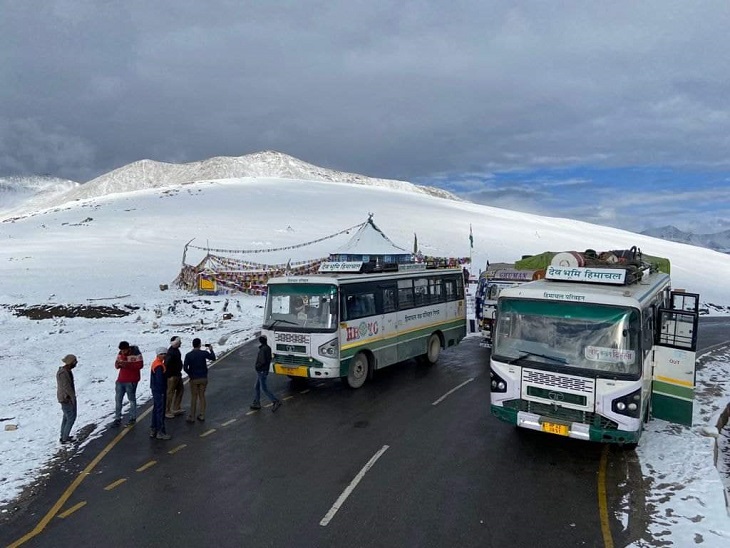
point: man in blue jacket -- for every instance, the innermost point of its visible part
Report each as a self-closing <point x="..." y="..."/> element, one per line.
<point x="196" y="366"/>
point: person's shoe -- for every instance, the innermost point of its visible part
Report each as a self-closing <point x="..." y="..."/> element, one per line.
<point x="276" y="406"/>
<point x="117" y="422"/>
<point x="255" y="405"/>
<point x="201" y="418"/>
<point x="178" y="412"/>
<point x="67" y="440"/>
<point x="189" y="419"/>
<point x="163" y="436"/>
<point x="153" y="433"/>
<point x="169" y="416"/>
<point x="130" y="422"/>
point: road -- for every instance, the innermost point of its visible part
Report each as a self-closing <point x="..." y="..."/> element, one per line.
<point x="442" y="472"/>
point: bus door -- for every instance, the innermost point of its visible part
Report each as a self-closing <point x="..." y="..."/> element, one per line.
<point x="673" y="379"/>
<point x="388" y="294"/>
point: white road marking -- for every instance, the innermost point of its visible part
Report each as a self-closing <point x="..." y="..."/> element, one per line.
<point x="442" y="398"/>
<point x="350" y="488"/>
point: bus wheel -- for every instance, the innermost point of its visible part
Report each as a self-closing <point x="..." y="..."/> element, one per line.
<point x="433" y="349"/>
<point x="358" y="372"/>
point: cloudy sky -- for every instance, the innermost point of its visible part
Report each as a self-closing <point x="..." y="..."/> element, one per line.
<point x="616" y="113"/>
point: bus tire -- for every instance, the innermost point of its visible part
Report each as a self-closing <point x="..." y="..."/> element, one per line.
<point x="358" y="372"/>
<point x="433" y="349"/>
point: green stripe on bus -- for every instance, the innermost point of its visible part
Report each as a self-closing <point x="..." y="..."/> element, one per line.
<point x="671" y="409"/>
<point x="673" y="390"/>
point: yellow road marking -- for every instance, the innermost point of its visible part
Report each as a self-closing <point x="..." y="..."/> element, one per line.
<point x="229" y="422"/>
<point x="304" y="391"/>
<point x="115" y="484"/>
<point x="144" y="467"/>
<point x="71" y="510"/>
<point x="43" y="523"/>
<point x="602" y="502"/>
<point x="45" y="520"/>
<point x="176" y="449"/>
<point x="208" y="433"/>
<point x="252" y="412"/>
<point x="287" y="398"/>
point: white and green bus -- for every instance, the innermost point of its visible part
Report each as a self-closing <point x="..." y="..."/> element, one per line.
<point x="593" y="352"/>
<point x="347" y="323"/>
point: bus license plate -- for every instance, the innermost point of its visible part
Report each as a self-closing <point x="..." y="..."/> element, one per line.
<point x="300" y="371"/>
<point x="553" y="428"/>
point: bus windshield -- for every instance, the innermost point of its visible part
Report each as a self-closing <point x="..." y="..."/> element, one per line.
<point x="312" y="307"/>
<point x="599" y="338"/>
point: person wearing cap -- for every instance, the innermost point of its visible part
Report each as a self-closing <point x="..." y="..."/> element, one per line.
<point x="263" y="363"/>
<point x="129" y="363"/>
<point x="175" y="386"/>
<point x="158" y="387"/>
<point x="66" y="392"/>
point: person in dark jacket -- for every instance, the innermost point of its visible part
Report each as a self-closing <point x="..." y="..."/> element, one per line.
<point x="158" y="387"/>
<point x="196" y="366"/>
<point x="66" y="392"/>
<point x="263" y="362"/>
<point x="175" y="386"/>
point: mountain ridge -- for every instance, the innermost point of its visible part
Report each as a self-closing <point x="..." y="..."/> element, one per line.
<point x="146" y="174"/>
<point x="717" y="241"/>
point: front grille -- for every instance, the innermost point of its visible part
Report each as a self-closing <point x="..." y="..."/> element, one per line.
<point x="562" y="413"/>
<point x="295" y="361"/>
<point x="565" y="382"/>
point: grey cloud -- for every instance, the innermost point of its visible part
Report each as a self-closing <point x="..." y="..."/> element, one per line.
<point x="385" y="88"/>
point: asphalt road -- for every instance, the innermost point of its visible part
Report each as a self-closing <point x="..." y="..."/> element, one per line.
<point x="443" y="472"/>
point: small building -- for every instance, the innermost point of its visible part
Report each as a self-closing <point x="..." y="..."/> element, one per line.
<point x="370" y="245"/>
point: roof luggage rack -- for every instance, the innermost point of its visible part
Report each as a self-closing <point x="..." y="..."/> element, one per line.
<point x="619" y="267"/>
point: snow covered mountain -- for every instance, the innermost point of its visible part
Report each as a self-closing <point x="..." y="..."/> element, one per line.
<point x="19" y="195"/>
<point x="145" y="174"/>
<point x="719" y="241"/>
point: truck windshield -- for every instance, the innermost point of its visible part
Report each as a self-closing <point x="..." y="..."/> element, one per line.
<point x="307" y="307"/>
<point x="599" y="338"/>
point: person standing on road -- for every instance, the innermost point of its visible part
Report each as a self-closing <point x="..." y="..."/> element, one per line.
<point x="175" y="386"/>
<point x="66" y="392"/>
<point x="158" y="387"/>
<point x="196" y="366"/>
<point x="263" y="362"/>
<point x="129" y="362"/>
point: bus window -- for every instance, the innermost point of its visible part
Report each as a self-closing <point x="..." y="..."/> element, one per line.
<point x="435" y="291"/>
<point x="388" y="294"/>
<point x="450" y="290"/>
<point x="359" y="305"/>
<point x="405" y="294"/>
<point x="420" y="288"/>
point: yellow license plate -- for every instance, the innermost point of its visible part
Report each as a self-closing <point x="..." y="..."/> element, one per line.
<point x="553" y="428"/>
<point x="300" y="371"/>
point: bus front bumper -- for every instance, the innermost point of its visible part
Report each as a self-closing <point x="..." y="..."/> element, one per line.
<point x="306" y="371"/>
<point x="575" y="430"/>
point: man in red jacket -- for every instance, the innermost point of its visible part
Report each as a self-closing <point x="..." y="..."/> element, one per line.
<point x="129" y="362"/>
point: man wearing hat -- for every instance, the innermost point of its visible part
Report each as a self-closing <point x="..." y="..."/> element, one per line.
<point x="66" y="392"/>
<point x="158" y="386"/>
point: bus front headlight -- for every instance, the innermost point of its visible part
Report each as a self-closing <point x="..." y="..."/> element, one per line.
<point x="497" y="382"/>
<point x="329" y="349"/>
<point x="629" y="405"/>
